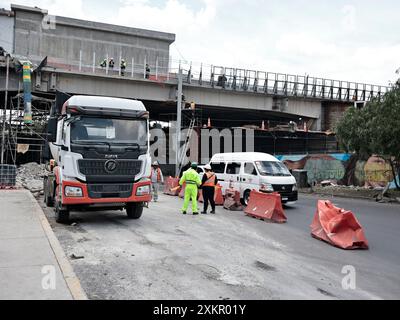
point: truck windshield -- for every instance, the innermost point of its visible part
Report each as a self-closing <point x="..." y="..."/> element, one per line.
<point x="272" y="168"/>
<point x="110" y="131"/>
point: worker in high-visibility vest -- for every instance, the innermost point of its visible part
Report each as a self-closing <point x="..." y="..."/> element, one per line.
<point x="208" y="184"/>
<point x="192" y="180"/>
<point x="156" y="177"/>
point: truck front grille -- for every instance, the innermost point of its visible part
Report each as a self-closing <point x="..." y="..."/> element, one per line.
<point x="97" y="167"/>
<point x="97" y="191"/>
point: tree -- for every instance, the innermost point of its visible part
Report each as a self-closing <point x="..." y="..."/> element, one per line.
<point x="374" y="129"/>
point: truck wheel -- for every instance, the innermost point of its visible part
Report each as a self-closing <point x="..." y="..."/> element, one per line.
<point x="245" y="199"/>
<point x="134" y="210"/>
<point x="45" y="189"/>
<point x="48" y="198"/>
<point x="62" y="215"/>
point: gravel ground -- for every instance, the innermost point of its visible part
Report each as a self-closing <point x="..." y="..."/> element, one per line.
<point x="166" y="255"/>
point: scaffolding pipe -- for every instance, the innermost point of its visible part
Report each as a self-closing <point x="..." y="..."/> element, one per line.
<point x="178" y="122"/>
<point x="26" y="78"/>
<point x="5" y="110"/>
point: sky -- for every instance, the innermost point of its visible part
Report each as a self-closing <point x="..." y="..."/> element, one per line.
<point x="353" y="40"/>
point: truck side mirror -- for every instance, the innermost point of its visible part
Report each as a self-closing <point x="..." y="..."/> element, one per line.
<point x="52" y="129"/>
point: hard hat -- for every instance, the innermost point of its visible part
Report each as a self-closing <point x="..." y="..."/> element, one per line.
<point x="155" y="163"/>
<point x="207" y="167"/>
<point x="194" y="165"/>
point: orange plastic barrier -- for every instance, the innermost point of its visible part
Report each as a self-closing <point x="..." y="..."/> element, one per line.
<point x="265" y="206"/>
<point x="232" y="200"/>
<point x="218" y="197"/>
<point x="171" y="186"/>
<point x="182" y="191"/>
<point x="338" y="227"/>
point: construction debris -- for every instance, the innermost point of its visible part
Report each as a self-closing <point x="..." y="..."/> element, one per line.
<point x="30" y="176"/>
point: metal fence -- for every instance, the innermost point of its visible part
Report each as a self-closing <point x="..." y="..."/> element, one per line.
<point x="235" y="79"/>
<point x="8" y="175"/>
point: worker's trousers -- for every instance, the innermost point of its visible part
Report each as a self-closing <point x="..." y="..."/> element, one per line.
<point x="190" y="194"/>
<point x="208" y="196"/>
<point x="154" y="188"/>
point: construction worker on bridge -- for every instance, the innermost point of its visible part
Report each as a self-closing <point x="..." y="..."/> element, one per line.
<point x="123" y="67"/>
<point x="192" y="180"/>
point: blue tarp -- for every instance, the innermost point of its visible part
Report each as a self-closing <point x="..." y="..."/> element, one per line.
<point x="393" y="185"/>
<point x="339" y="156"/>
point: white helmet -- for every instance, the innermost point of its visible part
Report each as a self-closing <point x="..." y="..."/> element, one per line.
<point x="207" y="167"/>
<point x="155" y="163"/>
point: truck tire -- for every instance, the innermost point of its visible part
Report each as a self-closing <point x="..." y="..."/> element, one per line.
<point x="61" y="215"/>
<point x="134" y="210"/>
<point x="48" y="198"/>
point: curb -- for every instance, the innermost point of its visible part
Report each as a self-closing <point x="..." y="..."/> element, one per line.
<point x="344" y="196"/>
<point x="70" y="278"/>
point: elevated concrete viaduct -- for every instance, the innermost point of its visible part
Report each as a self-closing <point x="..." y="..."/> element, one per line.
<point x="67" y="54"/>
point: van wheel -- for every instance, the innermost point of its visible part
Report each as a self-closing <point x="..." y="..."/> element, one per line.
<point x="245" y="199"/>
<point x="134" y="210"/>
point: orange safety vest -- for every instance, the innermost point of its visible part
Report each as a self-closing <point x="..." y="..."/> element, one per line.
<point x="210" y="182"/>
<point x="158" y="173"/>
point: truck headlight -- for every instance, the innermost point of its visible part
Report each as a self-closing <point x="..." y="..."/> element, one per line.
<point x="73" y="192"/>
<point x="143" y="191"/>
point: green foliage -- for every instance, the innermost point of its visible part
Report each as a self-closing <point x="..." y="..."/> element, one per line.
<point x="374" y="129"/>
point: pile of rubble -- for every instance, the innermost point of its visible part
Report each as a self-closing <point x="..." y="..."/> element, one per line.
<point x="30" y="176"/>
<point x="380" y="194"/>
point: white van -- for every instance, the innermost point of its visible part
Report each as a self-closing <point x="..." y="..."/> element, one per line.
<point x="246" y="171"/>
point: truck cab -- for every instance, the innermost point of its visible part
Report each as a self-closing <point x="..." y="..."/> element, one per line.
<point x="100" y="156"/>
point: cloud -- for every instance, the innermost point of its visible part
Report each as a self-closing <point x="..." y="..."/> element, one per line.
<point x="174" y="16"/>
<point x="349" y="19"/>
<point x="70" y="8"/>
<point x="277" y="36"/>
<point x="301" y="44"/>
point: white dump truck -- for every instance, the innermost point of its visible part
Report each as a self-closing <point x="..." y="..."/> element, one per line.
<point x="100" y="157"/>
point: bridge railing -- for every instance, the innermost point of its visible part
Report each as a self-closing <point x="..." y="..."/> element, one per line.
<point x="225" y="78"/>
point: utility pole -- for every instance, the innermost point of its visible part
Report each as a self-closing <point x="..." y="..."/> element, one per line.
<point x="5" y="111"/>
<point x="178" y="121"/>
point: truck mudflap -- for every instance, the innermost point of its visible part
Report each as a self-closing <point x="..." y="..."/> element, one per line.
<point x="85" y="199"/>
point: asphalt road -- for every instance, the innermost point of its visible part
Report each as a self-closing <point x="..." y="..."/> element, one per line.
<point x="166" y="255"/>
